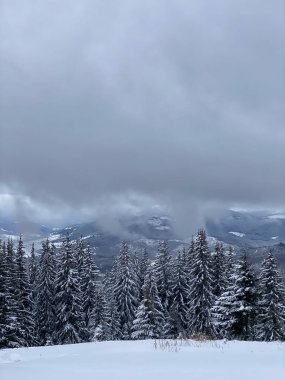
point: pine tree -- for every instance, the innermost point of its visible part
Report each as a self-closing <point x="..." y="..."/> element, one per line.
<point x="68" y="304"/>
<point x="271" y="311"/>
<point x="15" y="335"/>
<point x="144" y="263"/>
<point x="23" y="297"/>
<point x="112" y="318"/>
<point x="219" y="270"/>
<point x="4" y="300"/>
<point x="235" y="310"/>
<point x="45" y="288"/>
<point x="100" y="318"/>
<point x="126" y="292"/>
<point x="32" y="277"/>
<point x="223" y="313"/>
<point x="89" y="288"/>
<point x="32" y="267"/>
<point x="201" y="296"/>
<point x="163" y="275"/>
<point x="180" y="291"/>
<point x="149" y="321"/>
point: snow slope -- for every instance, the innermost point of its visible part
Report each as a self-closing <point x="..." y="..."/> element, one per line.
<point x="138" y="360"/>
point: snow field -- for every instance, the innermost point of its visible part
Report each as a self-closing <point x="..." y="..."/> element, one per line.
<point x="146" y="360"/>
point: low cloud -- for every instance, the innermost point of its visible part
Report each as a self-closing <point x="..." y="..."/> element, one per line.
<point x="179" y="104"/>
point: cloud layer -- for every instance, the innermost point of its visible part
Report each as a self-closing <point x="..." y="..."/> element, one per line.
<point x="177" y="103"/>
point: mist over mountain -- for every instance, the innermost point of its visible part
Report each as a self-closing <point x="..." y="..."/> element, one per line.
<point x="254" y="231"/>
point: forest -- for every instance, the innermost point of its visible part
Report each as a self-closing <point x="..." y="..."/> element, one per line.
<point x="59" y="296"/>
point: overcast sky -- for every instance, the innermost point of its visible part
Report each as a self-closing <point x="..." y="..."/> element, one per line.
<point x="115" y="106"/>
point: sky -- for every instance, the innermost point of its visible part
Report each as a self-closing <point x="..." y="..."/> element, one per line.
<point x="110" y="107"/>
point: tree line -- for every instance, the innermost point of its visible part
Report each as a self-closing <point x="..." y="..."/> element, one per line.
<point x="60" y="296"/>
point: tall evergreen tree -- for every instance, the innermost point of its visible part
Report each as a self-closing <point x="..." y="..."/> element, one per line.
<point x="90" y="291"/>
<point x="271" y="310"/>
<point x="180" y="301"/>
<point x="32" y="275"/>
<point x="201" y="296"/>
<point x="235" y="310"/>
<point x="144" y="263"/>
<point x="4" y="300"/>
<point x="45" y="288"/>
<point x="23" y="296"/>
<point x="163" y="275"/>
<point x="219" y="270"/>
<point x="69" y="325"/>
<point x="15" y="334"/>
<point x="126" y="292"/>
<point x="149" y="319"/>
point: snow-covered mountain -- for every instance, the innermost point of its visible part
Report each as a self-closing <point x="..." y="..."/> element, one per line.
<point x="254" y="230"/>
<point x="248" y="229"/>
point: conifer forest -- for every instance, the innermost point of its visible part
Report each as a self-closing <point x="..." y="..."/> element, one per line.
<point x="59" y="296"/>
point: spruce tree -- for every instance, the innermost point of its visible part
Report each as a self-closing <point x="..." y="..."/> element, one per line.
<point x="23" y="296"/>
<point x="4" y="300"/>
<point x="126" y="291"/>
<point x="201" y="296"/>
<point x="150" y="320"/>
<point x="15" y="334"/>
<point x="89" y="287"/>
<point x="163" y="275"/>
<point x="235" y="310"/>
<point x="69" y="327"/>
<point x="219" y="270"/>
<point x="271" y="305"/>
<point x="45" y="288"/>
<point x="180" y="292"/>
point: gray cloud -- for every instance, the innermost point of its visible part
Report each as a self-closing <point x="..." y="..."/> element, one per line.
<point x="177" y="103"/>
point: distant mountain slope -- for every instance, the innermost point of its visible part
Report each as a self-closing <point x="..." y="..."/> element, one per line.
<point x="248" y="229"/>
<point x="254" y="231"/>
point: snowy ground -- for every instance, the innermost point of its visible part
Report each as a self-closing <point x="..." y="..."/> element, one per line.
<point x="138" y="360"/>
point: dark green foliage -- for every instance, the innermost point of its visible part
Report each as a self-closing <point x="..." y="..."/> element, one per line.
<point x="235" y="310"/>
<point x="201" y="296"/>
<point x="219" y="270"/>
<point x="69" y="326"/>
<point x="271" y="311"/>
<point x="45" y="288"/>
<point x="126" y="291"/>
<point x="149" y="320"/>
<point x="23" y="297"/>
<point x="180" y="298"/>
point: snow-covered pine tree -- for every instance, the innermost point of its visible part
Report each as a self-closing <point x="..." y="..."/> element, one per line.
<point x="271" y="305"/>
<point x="32" y="267"/>
<point x="201" y="296"/>
<point x="32" y="275"/>
<point x="113" y="321"/>
<point x="88" y="278"/>
<point x="23" y="296"/>
<point x="234" y="312"/>
<point x="149" y="320"/>
<point x="15" y="335"/>
<point x="144" y="263"/>
<point x="223" y="312"/>
<point x="4" y="299"/>
<point x="180" y="292"/>
<point x="219" y="270"/>
<point x="100" y="318"/>
<point x="246" y="298"/>
<point x="229" y="263"/>
<point x="126" y="293"/>
<point x="69" y="327"/>
<point x="163" y="275"/>
<point x="45" y="288"/>
<point x="93" y="301"/>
